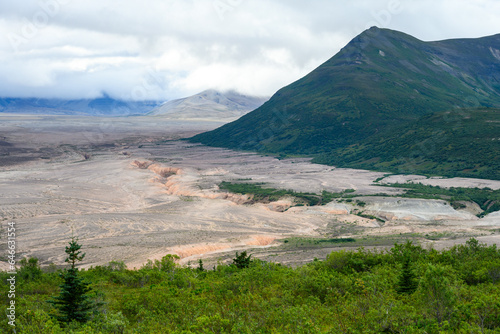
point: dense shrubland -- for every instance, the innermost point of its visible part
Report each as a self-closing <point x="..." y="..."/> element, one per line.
<point x="407" y="289"/>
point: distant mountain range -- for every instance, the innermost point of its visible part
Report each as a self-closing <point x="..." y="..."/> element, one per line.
<point x="104" y="106"/>
<point x="207" y="105"/>
<point x="210" y="104"/>
<point x="363" y="108"/>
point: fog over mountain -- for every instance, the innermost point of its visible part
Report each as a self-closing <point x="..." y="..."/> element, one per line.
<point x="167" y="50"/>
<point x="209" y="104"/>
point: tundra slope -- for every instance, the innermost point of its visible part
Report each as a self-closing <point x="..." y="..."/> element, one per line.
<point x="347" y="111"/>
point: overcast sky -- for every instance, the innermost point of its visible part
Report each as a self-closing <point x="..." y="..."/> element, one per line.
<point x="165" y="49"/>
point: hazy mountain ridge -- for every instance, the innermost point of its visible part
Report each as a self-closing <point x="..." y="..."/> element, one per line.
<point x="209" y="104"/>
<point x="103" y="106"/>
<point x="381" y="81"/>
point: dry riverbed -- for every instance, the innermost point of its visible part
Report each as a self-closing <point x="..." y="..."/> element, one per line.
<point x="132" y="191"/>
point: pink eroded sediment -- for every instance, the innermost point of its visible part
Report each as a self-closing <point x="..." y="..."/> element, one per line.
<point x="176" y="184"/>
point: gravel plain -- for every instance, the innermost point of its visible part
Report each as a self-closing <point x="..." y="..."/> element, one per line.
<point x="131" y="190"/>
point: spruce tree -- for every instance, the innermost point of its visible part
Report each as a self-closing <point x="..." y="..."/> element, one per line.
<point x="407" y="283"/>
<point x="73" y="302"/>
<point x="242" y="260"/>
<point x="200" y="265"/>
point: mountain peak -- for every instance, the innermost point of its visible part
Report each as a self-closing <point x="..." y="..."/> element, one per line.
<point x="379" y="81"/>
<point x="372" y="41"/>
<point x="210" y="103"/>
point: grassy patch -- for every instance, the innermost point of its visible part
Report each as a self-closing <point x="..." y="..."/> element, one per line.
<point x="306" y="243"/>
<point x="263" y="194"/>
<point x="361" y="214"/>
<point x="303" y="243"/>
<point x="487" y="199"/>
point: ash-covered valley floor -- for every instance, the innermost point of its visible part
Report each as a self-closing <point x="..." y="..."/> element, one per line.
<point x="130" y="190"/>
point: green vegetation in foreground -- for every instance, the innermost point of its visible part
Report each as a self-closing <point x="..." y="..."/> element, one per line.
<point x="407" y="289"/>
<point x="266" y="195"/>
<point x="73" y="302"/>
<point x="487" y="199"/>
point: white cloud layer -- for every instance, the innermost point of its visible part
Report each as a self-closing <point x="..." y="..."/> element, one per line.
<point x="164" y="49"/>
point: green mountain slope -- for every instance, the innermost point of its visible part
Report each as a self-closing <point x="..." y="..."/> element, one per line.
<point x="380" y="81"/>
<point x="462" y="142"/>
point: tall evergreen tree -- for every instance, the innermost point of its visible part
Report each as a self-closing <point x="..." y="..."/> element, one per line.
<point x="73" y="302"/>
<point x="200" y="265"/>
<point x="407" y="283"/>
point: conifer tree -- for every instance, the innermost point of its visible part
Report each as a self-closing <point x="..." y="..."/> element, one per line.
<point x="73" y="302"/>
<point x="242" y="260"/>
<point x="407" y="283"/>
<point x="200" y="265"/>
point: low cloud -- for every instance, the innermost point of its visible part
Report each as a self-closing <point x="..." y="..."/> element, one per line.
<point x="167" y="49"/>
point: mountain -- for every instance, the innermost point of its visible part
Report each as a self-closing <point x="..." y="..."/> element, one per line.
<point x="209" y="104"/>
<point x="459" y="142"/>
<point x="103" y="106"/>
<point x="382" y="81"/>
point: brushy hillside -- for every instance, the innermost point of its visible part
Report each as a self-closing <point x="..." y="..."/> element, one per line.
<point x="407" y="289"/>
<point x="381" y="81"/>
<point x="462" y="142"/>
